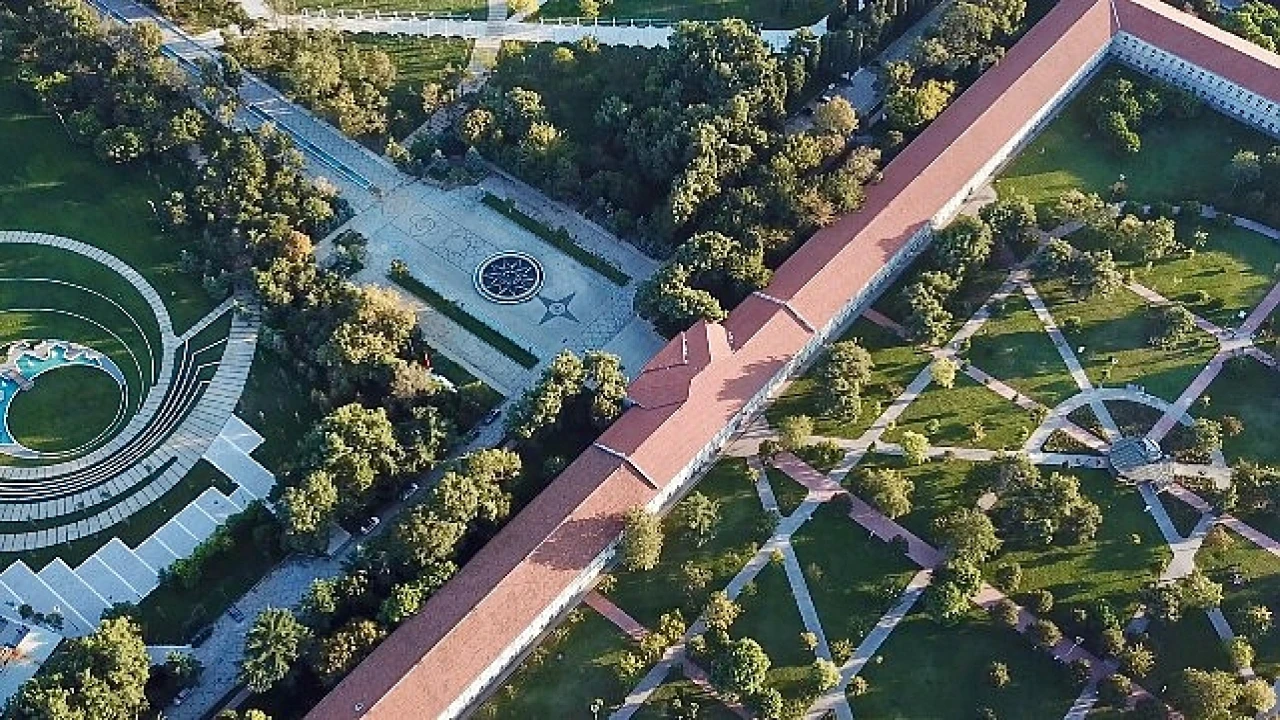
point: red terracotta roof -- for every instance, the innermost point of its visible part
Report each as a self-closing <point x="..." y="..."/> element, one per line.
<point x="699" y="383"/>
<point x="1203" y="44"/>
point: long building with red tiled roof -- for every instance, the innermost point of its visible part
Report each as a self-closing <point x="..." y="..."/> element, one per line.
<point x="702" y="387"/>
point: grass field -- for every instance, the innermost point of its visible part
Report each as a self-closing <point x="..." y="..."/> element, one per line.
<point x="896" y="363"/>
<point x="936" y="672"/>
<point x="49" y="184"/>
<point x="1114" y="332"/>
<point x="941" y="487"/>
<point x="1112" y="567"/>
<point x="1236" y="270"/>
<point x="783" y="15"/>
<point x="852" y="577"/>
<point x="418" y="60"/>
<point x="1180" y="159"/>
<point x="1014" y="346"/>
<point x="1261" y="573"/>
<point x="69" y="408"/>
<point x="743" y="524"/>
<point x="955" y="409"/>
<point x="1250" y="391"/>
<point x="786" y="491"/>
<point x="574" y="667"/>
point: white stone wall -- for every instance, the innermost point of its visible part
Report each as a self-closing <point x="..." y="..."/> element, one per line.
<point x="1248" y="107"/>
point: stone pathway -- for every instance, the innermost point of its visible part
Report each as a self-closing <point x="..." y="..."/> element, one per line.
<point x="606" y="32"/>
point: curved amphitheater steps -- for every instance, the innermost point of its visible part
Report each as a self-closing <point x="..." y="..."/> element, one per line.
<point x="118" y="573"/>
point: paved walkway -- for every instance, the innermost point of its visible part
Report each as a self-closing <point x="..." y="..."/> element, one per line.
<point x="606" y="32"/>
<point x="835" y="698"/>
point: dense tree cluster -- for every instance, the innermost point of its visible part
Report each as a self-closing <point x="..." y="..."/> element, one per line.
<point x="1037" y="510"/>
<point x="1256" y="21"/>
<point x="346" y="84"/>
<point x="574" y="392"/>
<point x="1120" y="106"/>
<point x="101" y="676"/>
<point x="958" y="252"/>
<point x="842" y="374"/>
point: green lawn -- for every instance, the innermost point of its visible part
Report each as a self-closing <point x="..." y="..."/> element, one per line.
<point x="941" y="487"/>
<point x="770" y="617"/>
<point x="786" y="491"/>
<point x="574" y="666"/>
<point x="474" y="8"/>
<point x="743" y="524"/>
<point x="1250" y="391"/>
<point x="955" y="409"/>
<point x="1190" y="642"/>
<point x="678" y="694"/>
<point x="775" y="15"/>
<point x="1132" y="418"/>
<point x="1114" y="330"/>
<point x="1015" y="347"/>
<point x="932" y="672"/>
<point x="1261" y="571"/>
<point x="49" y="184"/>
<point x="1111" y="567"/>
<point x="852" y="577"/>
<point x="418" y="60"/>
<point x="1179" y="160"/>
<point x="70" y="407"/>
<point x="277" y="403"/>
<point x="1236" y="270"/>
<point x="896" y="363"/>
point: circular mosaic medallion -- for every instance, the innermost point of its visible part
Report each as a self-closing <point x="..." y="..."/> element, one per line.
<point x="509" y="278"/>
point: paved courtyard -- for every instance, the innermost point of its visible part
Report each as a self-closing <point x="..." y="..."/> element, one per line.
<point x="444" y="235"/>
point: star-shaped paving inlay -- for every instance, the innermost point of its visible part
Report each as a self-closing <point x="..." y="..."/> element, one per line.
<point x="557" y="308"/>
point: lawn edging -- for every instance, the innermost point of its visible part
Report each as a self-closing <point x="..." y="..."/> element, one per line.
<point x="454" y="312"/>
<point x="557" y="238"/>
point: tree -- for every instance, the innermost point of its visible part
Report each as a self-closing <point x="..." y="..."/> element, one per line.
<point x="309" y="507"/>
<point x="273" y="644"/>
<point x="743" y="667"/>
<point x="887" y="489"/>
<point x="964" y="246"/>
<point x="699" y="515"/>
<point x="954" y="585"/>
<point x="1096" y="273"/>
<point x="1206" y="437"/>
<point x="335" y="655"/>
<point x="835" y="117"/>
<point x="823" y="675"/>
<point x="1040" y="601"/>
<point x="1008" y="576"/>
<point x="1005" y="612"/>
<point x="1012" y="222"/>
<point x="998" y="674"/>
<point x="1245" y="168"/>
<point x="794" y="431"/>
<point x="1257" y="696"/>
<point x="1114" y="690"/>
<point x="910" y="108"/>
<point x="1044" y="633"/>
<point x="720" y="611"/>
<point x="641" y="540"/>
<point x="944" y="371"/>
<point x="1255" y="621"/>
<point x="842" y="374"/>
<point x="1202" y="695"/>
<point x="101" y="676"/>
<point x="1172" y="324"/>
<point x="968" y="534"/>
<point x="915" y="448"/>
<point x="1138" y="660"/>
<point x="1240" y="652"/>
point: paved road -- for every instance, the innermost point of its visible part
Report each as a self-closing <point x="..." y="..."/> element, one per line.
<point x="363" y="176"/>
<point x="605" y="32"/>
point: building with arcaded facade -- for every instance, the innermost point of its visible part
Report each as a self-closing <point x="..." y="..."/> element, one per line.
<point x="710" y="380"/>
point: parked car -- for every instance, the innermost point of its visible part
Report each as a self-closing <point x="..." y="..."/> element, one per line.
<point x="409" y="490"/>
<point x="492" y="416"/>
<point x="368" y="525"/>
